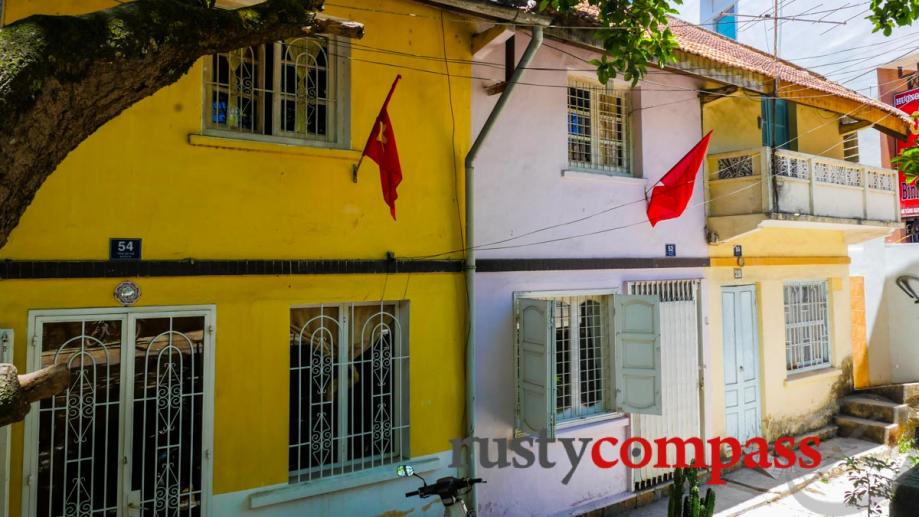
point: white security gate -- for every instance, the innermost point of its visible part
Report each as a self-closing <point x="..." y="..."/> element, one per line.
<point x="680" y="370"/>
<point x="131" y="435"/>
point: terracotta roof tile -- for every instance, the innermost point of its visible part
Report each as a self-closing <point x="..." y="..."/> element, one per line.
<point x="696" y="40"/>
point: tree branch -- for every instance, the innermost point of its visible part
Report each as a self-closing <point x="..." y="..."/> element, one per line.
<point x="17" y="392"/>
<point x="63" y="77"/>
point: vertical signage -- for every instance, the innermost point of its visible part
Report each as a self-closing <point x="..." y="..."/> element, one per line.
<point x="909" y="194"/>
<point x="670" y="250"/>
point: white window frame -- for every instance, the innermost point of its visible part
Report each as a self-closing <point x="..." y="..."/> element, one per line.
<point x="611" y="375"/>
<point x="401" y="391"/>
<point x="339" y="135"/>
<point x="595" y="165"/>
<point x="797" y="328"/>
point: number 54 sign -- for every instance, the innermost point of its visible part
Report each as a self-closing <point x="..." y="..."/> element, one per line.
<point x="124" y="249"/>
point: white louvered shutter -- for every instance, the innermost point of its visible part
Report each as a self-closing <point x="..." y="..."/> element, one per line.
<point x="637" y="353"/>
<point x="536" y="367"/>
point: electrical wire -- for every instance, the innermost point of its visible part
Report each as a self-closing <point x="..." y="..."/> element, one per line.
<point x="491" y="246"/>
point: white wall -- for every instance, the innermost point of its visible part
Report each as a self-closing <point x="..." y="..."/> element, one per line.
<point x="891" y="317"/>
<point x="519" y="182"/>
<point x="520" y="188"/>
<point x="537" y="491"/>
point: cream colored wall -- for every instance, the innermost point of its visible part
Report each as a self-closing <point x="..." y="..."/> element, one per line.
<point x="785" y="242"/>
<point x="773" y="257"/>
<point x="818" y="132"/>
<point x="789" y="405"/>
<point x="734" y="121"/>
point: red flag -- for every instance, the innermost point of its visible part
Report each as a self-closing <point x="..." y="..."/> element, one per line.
<point x="671" y="195"/>
<point x="381" y="148"/>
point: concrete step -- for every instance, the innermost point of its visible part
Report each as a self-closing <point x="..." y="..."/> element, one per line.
<point x="873" y="408"/>
<point x="907" y="393"/>
<point x="870" y="430"/>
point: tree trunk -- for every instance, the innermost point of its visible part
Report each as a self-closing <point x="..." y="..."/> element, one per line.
<point x="18" y="392"/>
<point x="62" y="77"/>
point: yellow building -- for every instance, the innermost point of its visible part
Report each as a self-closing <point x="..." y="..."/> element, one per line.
<point x="785" y="196"/>
<point x="289" y="344"/>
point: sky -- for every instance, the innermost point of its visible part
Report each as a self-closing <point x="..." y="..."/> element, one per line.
<point x="847" y="53"/>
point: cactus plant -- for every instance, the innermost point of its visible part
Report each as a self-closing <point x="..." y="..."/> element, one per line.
<point x="691" y="505"/>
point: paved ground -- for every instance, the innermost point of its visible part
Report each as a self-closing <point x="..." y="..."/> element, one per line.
<point x="786" y="493"/>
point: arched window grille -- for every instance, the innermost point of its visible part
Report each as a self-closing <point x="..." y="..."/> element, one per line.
<point x="288" y="90"/>
<point x="348" y="389"/>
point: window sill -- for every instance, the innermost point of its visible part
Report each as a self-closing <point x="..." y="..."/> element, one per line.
<point x="284" y="494"/>
<point x="603" y="176"/>
<point x="568" y="425"/>
<point x="242" y="144"/>
<point x="812" y="375"/>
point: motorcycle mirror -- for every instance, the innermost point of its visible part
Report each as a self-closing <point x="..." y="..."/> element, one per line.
<point x="404" y="471"/>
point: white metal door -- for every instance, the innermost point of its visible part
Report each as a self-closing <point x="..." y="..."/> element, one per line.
<point x="131" y="435"/>
<point x="741" y="362"/>
<point x="681" y="409"/>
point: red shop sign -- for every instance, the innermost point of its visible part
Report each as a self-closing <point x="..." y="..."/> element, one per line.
<point x="909" y="194"/>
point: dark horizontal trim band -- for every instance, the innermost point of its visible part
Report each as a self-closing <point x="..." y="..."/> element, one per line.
<point x="567" y="264"/>
<point x="30" y="269"/>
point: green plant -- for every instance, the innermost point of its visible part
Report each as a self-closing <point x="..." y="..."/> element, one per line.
<point x="907" y="446"/>
<point x="691" y="505"/>
<point x="908" y="162"/>
<point x="870" y="485"/>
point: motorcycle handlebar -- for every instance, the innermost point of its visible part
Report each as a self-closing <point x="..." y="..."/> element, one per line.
<point x="445" y="487"/>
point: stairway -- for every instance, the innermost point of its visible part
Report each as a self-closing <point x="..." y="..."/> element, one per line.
<point x="871" y="416"/>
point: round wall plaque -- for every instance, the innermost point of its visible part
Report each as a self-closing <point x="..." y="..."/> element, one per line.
<point x="127" y="293"/>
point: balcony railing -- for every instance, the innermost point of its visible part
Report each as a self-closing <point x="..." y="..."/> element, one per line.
<point x="807" y="185"/>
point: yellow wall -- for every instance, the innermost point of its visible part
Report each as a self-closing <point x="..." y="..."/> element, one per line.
<point x="734" y="120"/>
<point x="774" y="256"/>
<point x="785" y="242"/>
<point x="138" y="175"/>
<point x="789" y="405"/>
<point x="150" y="174"/>
<point x="252" y="358"/>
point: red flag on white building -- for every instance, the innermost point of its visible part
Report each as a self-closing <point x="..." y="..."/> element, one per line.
<point x="672" y="193"/>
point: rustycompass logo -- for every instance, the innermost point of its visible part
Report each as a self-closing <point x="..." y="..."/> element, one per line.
<point x="637" y="452"/>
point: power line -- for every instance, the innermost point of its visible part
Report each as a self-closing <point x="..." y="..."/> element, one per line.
<point x="492" y="245"/>
<point x="753" y="19"/>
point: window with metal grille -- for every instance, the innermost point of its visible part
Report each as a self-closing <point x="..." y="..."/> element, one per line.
<point x="807" y="336"/>
<point x="581" y="345"/>
<point x="598" y="128"/>
<point x="288" y="90"/>
<point x="348" y="389"/>
<point x="850" y="147"/>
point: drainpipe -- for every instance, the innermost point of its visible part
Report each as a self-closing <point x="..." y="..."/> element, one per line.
<point x="525" y="60"/>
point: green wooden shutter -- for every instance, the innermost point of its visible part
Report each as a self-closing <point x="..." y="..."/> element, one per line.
<point x="637" y="352"/>
<point x="784" y="125"/>
<point x="536" y="366"/>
